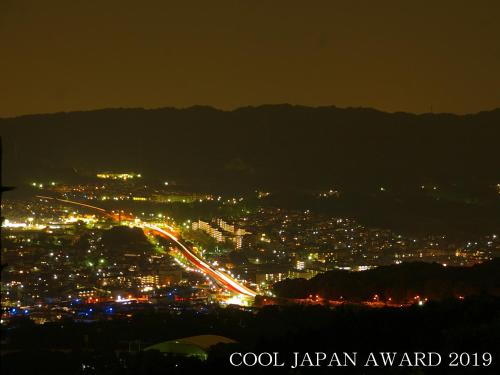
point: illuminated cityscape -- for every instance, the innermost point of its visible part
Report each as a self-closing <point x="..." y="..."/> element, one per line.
<point x="67" y="253"/>
<point x="247" y="187"/>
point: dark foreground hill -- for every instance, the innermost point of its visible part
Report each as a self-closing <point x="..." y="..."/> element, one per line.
<point x="111" y="346"/>
<point x="399" y="283"/>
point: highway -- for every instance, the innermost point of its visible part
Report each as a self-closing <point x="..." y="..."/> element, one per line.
<point x="220" y="277"/>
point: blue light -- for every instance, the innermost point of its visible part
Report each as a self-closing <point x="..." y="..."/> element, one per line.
<point x="26" y="311"/>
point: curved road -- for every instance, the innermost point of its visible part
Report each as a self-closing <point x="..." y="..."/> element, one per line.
<point x="222" y="278"/>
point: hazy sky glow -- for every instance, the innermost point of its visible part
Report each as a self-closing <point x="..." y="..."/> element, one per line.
<point x="60" y="55"/>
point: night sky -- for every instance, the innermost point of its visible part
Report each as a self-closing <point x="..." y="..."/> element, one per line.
<point x="391" y="55"/>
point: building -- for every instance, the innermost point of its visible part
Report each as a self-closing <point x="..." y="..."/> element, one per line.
<point x="194" y="346"/>
<point x="300" y="265"/>
<point x="118" y="176"/>
<point x="207" y="228"/>
<point x="225" y="226"/>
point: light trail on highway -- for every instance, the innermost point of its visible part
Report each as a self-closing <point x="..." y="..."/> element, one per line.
<point x="220" y="277"/>
<point x="76" y="203"/>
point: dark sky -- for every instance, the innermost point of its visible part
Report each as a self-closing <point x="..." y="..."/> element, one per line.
<point x="61" y="55"/>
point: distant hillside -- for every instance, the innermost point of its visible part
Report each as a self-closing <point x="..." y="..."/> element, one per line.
<point x="267" y="146"/>
<point x="293" y="151"/>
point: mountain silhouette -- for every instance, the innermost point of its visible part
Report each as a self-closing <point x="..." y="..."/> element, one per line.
<point x="271" y="146"/>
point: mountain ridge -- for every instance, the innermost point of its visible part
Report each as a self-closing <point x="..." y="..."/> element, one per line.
<point x="250" y="107"/>
<point x="269" y="145"/>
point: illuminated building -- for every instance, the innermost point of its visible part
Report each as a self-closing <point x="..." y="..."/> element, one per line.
<point x="225" y="226"/>
<point x="207" y="228"/>
<point x="148" y="282"/>
<point x="238" y="241"/>
<point x="118" y="176"/>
